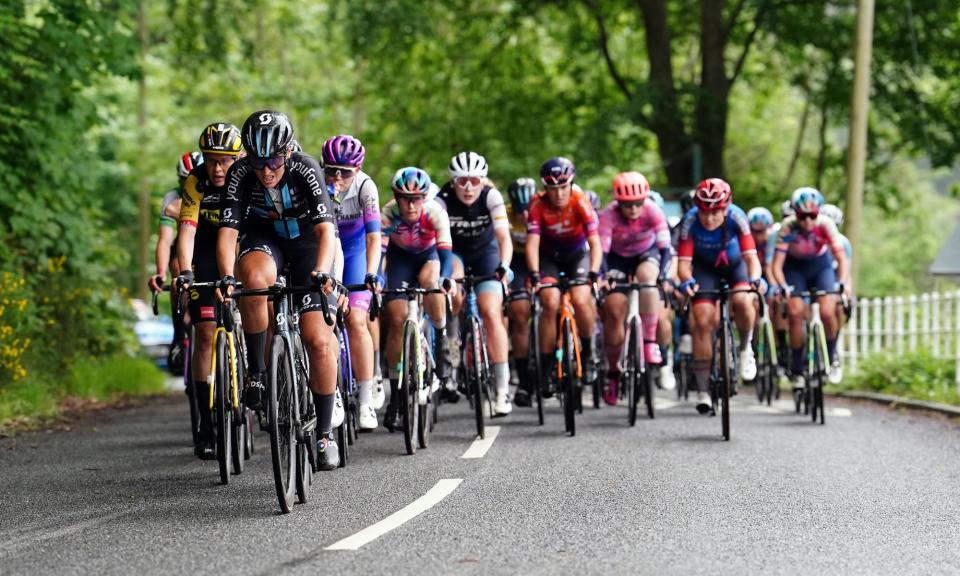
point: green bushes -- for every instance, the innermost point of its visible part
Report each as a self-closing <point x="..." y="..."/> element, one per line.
<point x="915" y="375"/>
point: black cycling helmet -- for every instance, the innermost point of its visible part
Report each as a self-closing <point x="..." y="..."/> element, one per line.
<point x="220" y="138"/>
<point x="557" y="171"/>
<point x="521" y="192"/>
<point x="267" y="133"/>
<point x="686" y="201"/>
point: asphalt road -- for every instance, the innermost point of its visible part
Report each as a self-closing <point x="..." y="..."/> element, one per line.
<point x="872" y="492"/>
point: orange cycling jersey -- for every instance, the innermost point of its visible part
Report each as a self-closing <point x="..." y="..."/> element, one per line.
<point x="563" y="230"/>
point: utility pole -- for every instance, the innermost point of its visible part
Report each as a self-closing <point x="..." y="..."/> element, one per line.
<point x="143" y="257"/>
<point x="858" y="129"/>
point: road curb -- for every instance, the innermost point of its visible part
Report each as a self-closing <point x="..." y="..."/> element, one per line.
<point x="898" y="401"/>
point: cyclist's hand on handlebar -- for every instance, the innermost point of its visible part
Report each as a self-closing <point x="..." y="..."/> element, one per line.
<point x="689" y="287"/>
<point x="374" y="282"/>
<point x="447" y="285"/>
<point x="667" y="285"/>
<point x="504" y="273"/>
<point x="594" y="277"/>
<point x="760" y="285"/>
<point x="225" y="287"/>
<point x="534" y="281"/>
<point x="322" y="281"/>
<point x="156" y="283"/>
<point x="184" y="280"/>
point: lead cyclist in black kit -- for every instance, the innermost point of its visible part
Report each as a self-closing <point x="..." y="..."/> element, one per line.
<point x="278" y="205"/>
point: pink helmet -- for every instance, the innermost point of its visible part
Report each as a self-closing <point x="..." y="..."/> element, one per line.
<point x="630" y="187"/>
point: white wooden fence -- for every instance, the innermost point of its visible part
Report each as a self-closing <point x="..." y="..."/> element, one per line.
<point x="902" y="324"/>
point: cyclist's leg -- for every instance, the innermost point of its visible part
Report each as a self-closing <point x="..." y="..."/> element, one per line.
<point x="490" y="302"/>
<point x="744" y="315"/>
<point x="646" y="272"/>
<point x="260" y="259"/>
<point x="401" y="271"/>
<point x="361" y="342"/>
<point x="704" y="318"/>
<point x="518" y="312"/>
<point x="795" y="273"/>
<point x="826" y="280"/>
<point x="549" y="307"/>
<point x="202" y="310"/>
<point x="584" y="306"/>
<point x="456" y="301"/>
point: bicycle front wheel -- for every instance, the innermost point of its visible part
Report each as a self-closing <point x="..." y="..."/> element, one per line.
<point x="631" y="372"/>
<point x="534" y="369"/>
<point x="819" y="371"/>
<point x="473" y="372"/>
<point x="569" y="379"/>
<point x="726" y="353"/>
<point x="280" y="416"/>
<point x="409" y="388"/>
<point x="221" y="407"/>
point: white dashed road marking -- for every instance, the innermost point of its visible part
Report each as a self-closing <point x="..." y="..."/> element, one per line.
<point x="480" y="446"/>
<point x="441" y="490"/>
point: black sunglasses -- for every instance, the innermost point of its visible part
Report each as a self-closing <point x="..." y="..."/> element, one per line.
<point x="274" y="162"/>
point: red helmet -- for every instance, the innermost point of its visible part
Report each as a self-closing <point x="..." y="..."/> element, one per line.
<point x="712" y="194"/>
<point x="630" y="187"/>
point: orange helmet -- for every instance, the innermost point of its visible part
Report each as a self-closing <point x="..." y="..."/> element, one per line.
<point x="630" y="187"/>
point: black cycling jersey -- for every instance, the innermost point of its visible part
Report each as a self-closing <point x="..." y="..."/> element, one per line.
<point x="300" y="200"/>
<point x="471" y="227"/>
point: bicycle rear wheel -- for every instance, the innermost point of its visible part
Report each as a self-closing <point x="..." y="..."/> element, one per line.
<point x="473" y="373"/>
<point x="190" y="390"/>
<point x="221" y="407"/>
<point x="280" y="416"/>
<point x="409" y="387"/>
<point x="343" y="430"/>
<point x="424" y="398"/>
<point x="631" y="381"/>
<point x="239" y="451"/>
<point x="819" y="370"/>
<point x="569" y="380"/>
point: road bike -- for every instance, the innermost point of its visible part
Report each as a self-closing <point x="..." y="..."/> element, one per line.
<point x="475" y="363"/>
<point x="636" y="375"/>
<point x="767" y="380"/>
<point x="818" y="359"/>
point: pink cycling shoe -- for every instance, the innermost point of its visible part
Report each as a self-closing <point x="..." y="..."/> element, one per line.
<point x="611" y="389"/>
<point x="651" y="351"/>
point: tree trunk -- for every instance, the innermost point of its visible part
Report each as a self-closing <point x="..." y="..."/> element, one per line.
<point x="712" y="101"/>
<point x="666" y="121"/>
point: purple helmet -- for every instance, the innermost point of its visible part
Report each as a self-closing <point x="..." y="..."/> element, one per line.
<point x="557" y="171"/>
<point x="343" y="150"/>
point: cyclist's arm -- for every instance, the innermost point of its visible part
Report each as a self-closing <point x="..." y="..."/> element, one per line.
<point x="185" y="242"/>
<point x="684" y="270"/>
<point x="533" y="252"/>
<point x="843" y="267"/>
<point x="164" y="240"/>
<point x="372" y="225"/>
<point x="776" y="269"/>
<point x="596" y="252"/>
<point x="226" y="250"/>
<point x="326" y="234"/>
<point x="189" y="216"/>
<point x="501" y="224"/>
<point x="753" y="265"/>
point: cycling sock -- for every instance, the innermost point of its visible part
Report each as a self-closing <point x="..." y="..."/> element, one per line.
<point x="701" y="373"/>
<point x="782" y="345"/>
<point x="324" y="407"/>
<point x="546" y="363"/>
<point x="501" y="375"/>
<point x="256" y="342"/>
<point x="796" y="361"/>
<point x="649" y="320"/>
<point x="523" y="376"/>
<point x="366" y="392"/>
<point x="202" y="390"/>
<point x="832" y="348"/>
<point x="376" y="365"/>
<point x="586" y="349"/>
<point x="746" y="339"/>
<point x="439" y="324"/>
<point x="665" y="354"/>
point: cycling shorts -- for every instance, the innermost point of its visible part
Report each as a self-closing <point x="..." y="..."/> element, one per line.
<point x="202" y="303"/>
<point x="810" y="274"/>
<point x="482" y="263"/>
<point x="709" y="277"/>
<point x="354" y="272"/>
<point x="620" y="268"/>
<point x="575" y="265"/>
<point x="403" y="268"/>
<point x="299" y="255"/>
<point x="518" y="288"/>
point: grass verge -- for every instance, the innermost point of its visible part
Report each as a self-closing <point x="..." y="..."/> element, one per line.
<point x="917" y="375"/>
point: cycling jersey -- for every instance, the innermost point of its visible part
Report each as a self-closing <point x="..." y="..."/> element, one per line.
<point x="431" y="229"/>
<point x="472" y="227"/>
<point x="201" y="199"/>
<point x="168" y="199"/>
<point x="723" y="247"/>
<point x="299" y="202"/>
<point x="562" y="230"/>
<point x="806" y="245"/>
<point x="630" y="238"/>
<point x="358" y="214"/>
<point x="518" y="229"/>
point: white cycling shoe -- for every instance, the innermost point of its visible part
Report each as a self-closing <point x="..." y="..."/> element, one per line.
<point x="667" y="380"/>
<point x="338" y="412"/>
<point x="748" y="364"/>
<point x="502" y="406"/>
<point x="835" y="374"/>
<point x="379" y="396"/>
<point x="704" y="406"/>
<point x="368" y="418"/>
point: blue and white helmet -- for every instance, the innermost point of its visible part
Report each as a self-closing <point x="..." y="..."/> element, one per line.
<point x="760" y="215"/>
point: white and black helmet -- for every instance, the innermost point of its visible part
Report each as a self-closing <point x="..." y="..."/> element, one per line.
<point x="468" y="164"/>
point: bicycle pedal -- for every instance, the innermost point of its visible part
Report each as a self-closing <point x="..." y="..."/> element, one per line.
<point x="309" y="425"/>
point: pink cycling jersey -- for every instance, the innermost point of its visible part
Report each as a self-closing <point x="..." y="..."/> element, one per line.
<point x="799" y="243"/>
<point x="630" y="238"/>
<point x="431" y="229"/>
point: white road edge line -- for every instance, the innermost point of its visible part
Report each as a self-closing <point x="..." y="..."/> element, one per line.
<point x="480" y="446"/>
<point x="440" y="490"/>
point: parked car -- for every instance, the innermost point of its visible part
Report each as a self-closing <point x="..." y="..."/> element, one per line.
<point x="153" y="332"/>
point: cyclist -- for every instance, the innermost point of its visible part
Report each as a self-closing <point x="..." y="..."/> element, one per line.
<point x="715" y="244"/>
<point x="358" y="219"/>
<point x="521" y="192"/>
<point x="764" y="231"/>
<point x="166" y="253"/>
<point x="833" y="212"/>
<point x="666" y="379"/>
<point x="562" y="236"/>
<point x="197" y="253"/>
<point x="636" y="244"/>
<point x="803" y="262"/>
<point x="481" y="246"/>
<point x="419" y="253"/>
<point x="276" y="198"/>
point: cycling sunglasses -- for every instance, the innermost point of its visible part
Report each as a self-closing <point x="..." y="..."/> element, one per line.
<point x="633" y="204"/>
<point x="807" y="215"/>
<point x="341" y="172"/>
<point x="411" y="199"/>
<point x="467" y="181"/>
<point x="274" y="162"/>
